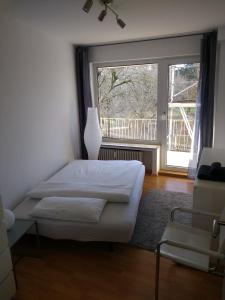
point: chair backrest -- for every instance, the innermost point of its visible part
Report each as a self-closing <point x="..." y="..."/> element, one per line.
<point x="222" y="233"/>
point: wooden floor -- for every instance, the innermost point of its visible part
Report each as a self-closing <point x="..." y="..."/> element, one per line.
<point x="70" y="270"/>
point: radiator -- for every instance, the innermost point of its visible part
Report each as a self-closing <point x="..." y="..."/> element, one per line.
<point x="120" y="154"/>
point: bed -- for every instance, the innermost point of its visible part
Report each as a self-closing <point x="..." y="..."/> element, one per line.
<point x="118" y="218"/>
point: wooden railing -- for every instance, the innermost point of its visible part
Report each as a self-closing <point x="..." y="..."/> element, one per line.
<point x="146" y="130"/>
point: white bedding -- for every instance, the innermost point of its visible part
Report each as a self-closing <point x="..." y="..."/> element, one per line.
<point x="110" y="180"/>
<point x="116" y="224"/>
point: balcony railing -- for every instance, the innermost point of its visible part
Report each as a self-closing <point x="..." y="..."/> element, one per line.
<point x="146" y="130"/>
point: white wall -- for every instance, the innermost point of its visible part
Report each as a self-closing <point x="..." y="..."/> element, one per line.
<point x="219" y="130"/>
<point x="38" y="117"/>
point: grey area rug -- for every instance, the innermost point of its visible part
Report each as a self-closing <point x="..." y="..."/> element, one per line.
<point x="153" y="215"/>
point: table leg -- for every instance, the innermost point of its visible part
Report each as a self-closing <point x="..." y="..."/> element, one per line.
<point x="37" y="235"/>
<point x="13" y="268"/>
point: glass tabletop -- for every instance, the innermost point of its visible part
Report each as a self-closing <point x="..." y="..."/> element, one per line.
<point x="20" y="227"/>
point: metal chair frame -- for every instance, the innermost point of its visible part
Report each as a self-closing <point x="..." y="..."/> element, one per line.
<point x="216" y="230"/>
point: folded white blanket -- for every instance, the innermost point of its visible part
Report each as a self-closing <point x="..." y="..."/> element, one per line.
<point x="69" y="209"/>
<point x="110" y="180"/>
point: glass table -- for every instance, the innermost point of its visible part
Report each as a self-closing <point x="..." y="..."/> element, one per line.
<point x="21" y="227"/>
<point x="16" y="232"/>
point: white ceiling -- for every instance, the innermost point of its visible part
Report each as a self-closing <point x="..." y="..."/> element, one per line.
<point x="144" y="18"/>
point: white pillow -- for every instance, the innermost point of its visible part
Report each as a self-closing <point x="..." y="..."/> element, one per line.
<point x="70" y="209"/>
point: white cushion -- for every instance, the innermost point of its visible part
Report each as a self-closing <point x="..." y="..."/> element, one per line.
<point x="189" y="236"/>
<point x="69" y="209"/>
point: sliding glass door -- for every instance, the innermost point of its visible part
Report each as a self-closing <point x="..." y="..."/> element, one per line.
<point x="180" y="114"/>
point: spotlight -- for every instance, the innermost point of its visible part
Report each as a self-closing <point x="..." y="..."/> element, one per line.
<point x="102" y="15"/>
<point x="120" y="22"/>
<point x="87" y="6"/>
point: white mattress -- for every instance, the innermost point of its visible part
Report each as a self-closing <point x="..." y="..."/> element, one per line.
<point x="109" y="180"/>
<point x="116" y="224"/>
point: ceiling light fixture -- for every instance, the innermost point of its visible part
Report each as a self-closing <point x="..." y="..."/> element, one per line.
<point x="120" y="22"/>
<point x="102" y="14"/>
<point x="107" y="3"/>
<point x="87" y="6"/>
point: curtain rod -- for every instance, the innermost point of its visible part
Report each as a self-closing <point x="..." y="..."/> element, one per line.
<point x="153" y="39"/>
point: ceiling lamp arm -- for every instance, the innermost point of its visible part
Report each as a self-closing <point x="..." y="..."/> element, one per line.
<point x="112" y="10"/>
<point x="119" y="21"/>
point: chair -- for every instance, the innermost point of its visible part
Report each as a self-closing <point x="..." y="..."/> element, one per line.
<point x="191" y="246"/>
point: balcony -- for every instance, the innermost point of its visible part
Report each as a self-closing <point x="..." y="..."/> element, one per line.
<point x="179" y="140"/>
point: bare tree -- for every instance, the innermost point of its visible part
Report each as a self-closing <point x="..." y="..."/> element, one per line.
<point x="129" y="92"/>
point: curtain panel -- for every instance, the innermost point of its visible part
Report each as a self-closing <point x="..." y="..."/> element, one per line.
<point x="207" y="87"/>
<point x="83" y="91"/>
<point x="203" y="131"/>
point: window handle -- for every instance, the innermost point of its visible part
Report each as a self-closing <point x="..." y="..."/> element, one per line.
<point x="163" y="116"/>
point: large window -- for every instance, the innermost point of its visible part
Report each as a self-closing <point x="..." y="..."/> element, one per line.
<point x="127" y="98"/>
<point x="152" y="102"/>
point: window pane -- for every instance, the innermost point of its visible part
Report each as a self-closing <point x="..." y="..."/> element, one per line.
<point x="128" y="101"/>
<point x="183" y="84"/>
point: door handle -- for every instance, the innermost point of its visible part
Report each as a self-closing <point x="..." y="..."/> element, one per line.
<point x="163" y="116"/>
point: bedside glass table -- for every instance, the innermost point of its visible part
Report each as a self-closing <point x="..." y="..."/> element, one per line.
<point x="16" y="232"/>
<point x="19" y="228"/>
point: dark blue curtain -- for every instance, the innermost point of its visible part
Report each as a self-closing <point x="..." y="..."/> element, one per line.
<point x="83" y="91"/>
<point x="206" y="88"/>
<point x="203" y="131"/>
